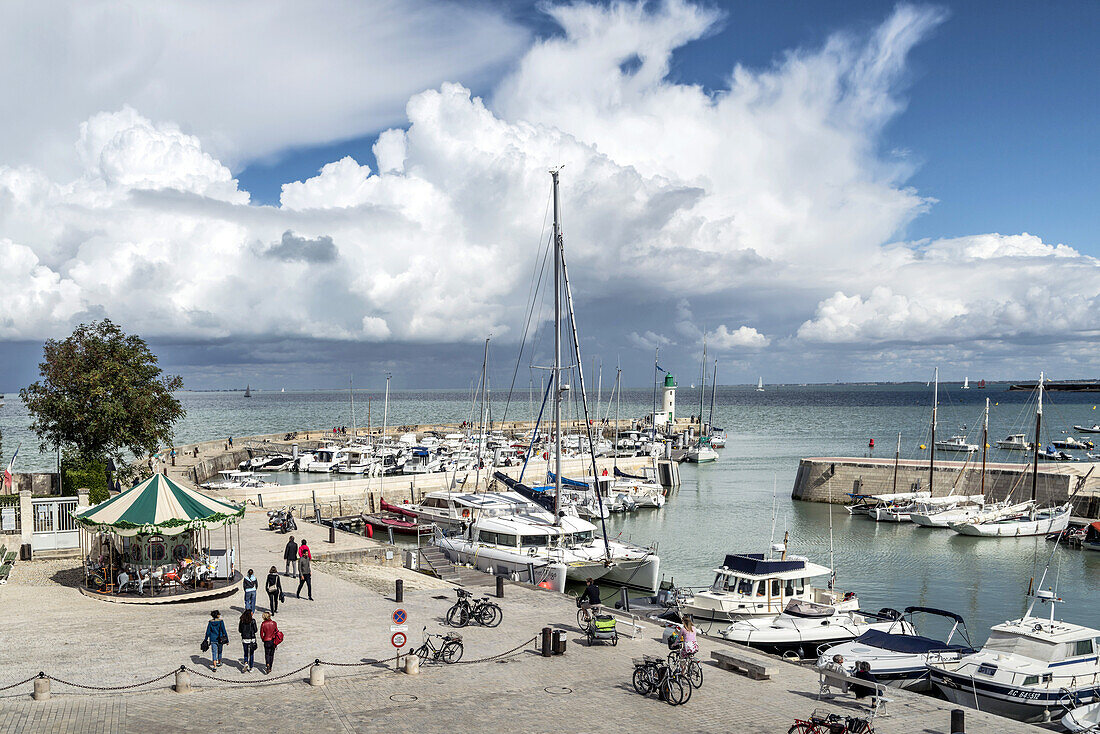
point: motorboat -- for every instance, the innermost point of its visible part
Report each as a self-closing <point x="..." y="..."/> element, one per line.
<point x="898" y="656"/>
<point x="1091" y="540"/>
<point x="1032" y="521"/>
<point x="958" y="444"/>
<point x="1015" y="442"/>
<point x="718" y="438"/>
<point x="1028" y="669"/>
<point x="236" y="479"/>
<point x="1082" y="718"/>
<point x="322" y="461"/>
<point x="805" y="627"/>
<point x="750" y="585"/>
<point x="1072" y="442"/>
<point x="1094" y="428"/>
<point x="422" y="460"/>
<point x="268" y="462"/>
<point x="1049" y="453"/>
<point x="359" y="460"/>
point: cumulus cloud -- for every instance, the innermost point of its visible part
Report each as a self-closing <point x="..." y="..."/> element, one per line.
<point x="744" y="337"/>
<point x="768" y="202"/>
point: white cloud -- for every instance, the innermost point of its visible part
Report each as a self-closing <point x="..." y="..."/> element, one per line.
<point x="743" y="337"/>
<point x="250" y="78"/>
<point x="775" y="184"/>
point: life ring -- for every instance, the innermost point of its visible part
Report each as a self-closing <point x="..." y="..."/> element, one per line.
<point x="465" y="513"/>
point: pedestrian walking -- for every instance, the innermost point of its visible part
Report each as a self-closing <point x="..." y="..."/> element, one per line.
<point x="216" y="638"/>
<point x="271" y="637"/>
<point x="247" y="628"/>
<point x="274" y="587"/>
<point x="304" y="574"/>
<point x="250" y="584"/>
<point x="290" y="555"/>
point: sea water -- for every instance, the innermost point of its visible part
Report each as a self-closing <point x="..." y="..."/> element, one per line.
<point x="729" y="506"/>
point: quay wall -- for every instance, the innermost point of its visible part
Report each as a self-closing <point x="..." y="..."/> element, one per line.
<point x="831" y="479"/>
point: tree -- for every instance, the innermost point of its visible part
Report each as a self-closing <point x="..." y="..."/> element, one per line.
<point x="102" y="393"/>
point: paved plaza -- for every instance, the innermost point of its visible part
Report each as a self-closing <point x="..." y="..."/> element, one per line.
<point x="47" y="625"/>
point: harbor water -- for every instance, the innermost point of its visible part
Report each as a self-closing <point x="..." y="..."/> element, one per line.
<point x="730" y="506"/>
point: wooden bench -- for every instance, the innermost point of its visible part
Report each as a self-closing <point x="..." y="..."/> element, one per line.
<point x="729" y="660"/>
<point x="829" y="679"/>
<point x="5" y="571"/>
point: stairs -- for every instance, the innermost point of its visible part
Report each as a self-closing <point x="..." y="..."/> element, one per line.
<point x="432" y="559"/>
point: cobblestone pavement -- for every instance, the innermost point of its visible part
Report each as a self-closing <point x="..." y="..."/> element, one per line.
<point x="49" y="626"/>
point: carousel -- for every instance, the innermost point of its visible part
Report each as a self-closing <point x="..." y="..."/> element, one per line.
<point x="160" y="542"/>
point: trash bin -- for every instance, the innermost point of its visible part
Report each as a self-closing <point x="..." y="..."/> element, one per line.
<point x="559" y="642"/>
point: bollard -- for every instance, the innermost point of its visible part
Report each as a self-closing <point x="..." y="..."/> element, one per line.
<point x="546" y="635"/>
<point x="183" y="681"/>
<point x="399" y="590"/>
<point x="260" y="500"/>
<point x="624" y="599"/>
<point x="500" y="587"/>
<point x="391" y="536"/>
<point x="332" y="532"/>
<point x="412" y="665"/>
<point x="317" y="674"/>
<point x="559" y="642"/>
<point x="41" y="688"/>
<point x="958" y="721"/>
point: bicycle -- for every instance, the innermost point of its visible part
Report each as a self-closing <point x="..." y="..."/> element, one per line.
<point x="449" y="649"/>
<point x="655" y="675"/>
<point x="686" y="664"/>
<point x="483" y="611"/>
<point x="586" y="616"/>
<point x="822" y="722"/>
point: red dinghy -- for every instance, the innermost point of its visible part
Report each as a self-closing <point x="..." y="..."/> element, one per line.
<point x="396" y="509"/>
<point x="392" y="517"/>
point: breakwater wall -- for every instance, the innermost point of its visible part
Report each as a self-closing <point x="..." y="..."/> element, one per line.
<point x="831" y="479"/>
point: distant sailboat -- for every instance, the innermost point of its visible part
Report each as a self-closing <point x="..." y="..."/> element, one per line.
<point x="760" y="385"/>
<point x="966" y="383"/>
<point x="283" y="390"/>
<point x="248" y="391"/>
<point x="981" y="384"/>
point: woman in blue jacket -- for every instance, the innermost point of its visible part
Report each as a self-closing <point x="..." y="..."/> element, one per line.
<point x="216" y="636"/>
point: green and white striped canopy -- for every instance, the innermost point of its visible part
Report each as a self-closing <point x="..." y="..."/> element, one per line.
<point x="159" y="505"/>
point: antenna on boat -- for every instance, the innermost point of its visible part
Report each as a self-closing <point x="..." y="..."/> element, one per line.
<point x="771" y="538"/>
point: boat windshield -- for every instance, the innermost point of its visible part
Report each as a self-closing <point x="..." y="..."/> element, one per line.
<point x="1028" y="647"/>
<point x="540" y="541"/>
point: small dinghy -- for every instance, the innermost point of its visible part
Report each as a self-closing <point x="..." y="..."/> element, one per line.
<point x="1083" y="718"/>
<point x="804" y="627"/>
<point x="396" y="518"/>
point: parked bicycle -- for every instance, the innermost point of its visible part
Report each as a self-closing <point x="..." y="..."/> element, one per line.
<point x="686" y="664"/>
<point x="448" y="648"/>
<point x="822" y="722"/>
<point x="655" y="675"/>
<point x="467" y="609"/>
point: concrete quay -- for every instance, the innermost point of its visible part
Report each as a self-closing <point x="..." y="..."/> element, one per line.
<point x="831" y="479"/>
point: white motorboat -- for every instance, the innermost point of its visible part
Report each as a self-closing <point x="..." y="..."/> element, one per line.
<point x="359" y="460"/>
<point x="1083" y="719"/>
<point x="804" y="627"/>
<point x="322" y="461"/>
<point x="1015" y="442"/>
<point x="1028" y="669"/>
<point x="750" y="586"/>
<point x="899" y="657"/>
<point x="422" y="460"/>
<point x="236" y="479"/>
<point x="956" y="443"/>
<point x="1094" y="428"/>
<point x="718" y="438"/>
<point x="1049" y="453"/>
<point x="1074" y="443"/>
<point x="268" y="462"/>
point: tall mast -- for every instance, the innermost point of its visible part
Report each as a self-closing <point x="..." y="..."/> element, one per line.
<point x="985" y="442"/>
<point x="713" y="390"/>
<point x="1038" y="428"/>
<point x="481" y="427"/>
<point x="897" y="460"/>
<point x="557" y="351"/>
<point x="351" y="392"/>
<point x="618" y="401"/>
<point x="599" y="391"/>
<point x="932" y="443"/>
<point x="656" y="355"/>
<point x="385" y="416"/>
<point x="702" y="383"/>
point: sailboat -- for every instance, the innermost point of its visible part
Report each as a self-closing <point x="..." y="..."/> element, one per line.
<point x="248" y="391"/>
<point x="1032" y="520"/>
<point x="966" y="383"/>
<point x="940" y="512"/>
<point x="760" y="385"/>
<point x="702" y="452"/>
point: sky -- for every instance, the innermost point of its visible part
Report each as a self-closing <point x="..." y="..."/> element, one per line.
<point x="290" y="196"/>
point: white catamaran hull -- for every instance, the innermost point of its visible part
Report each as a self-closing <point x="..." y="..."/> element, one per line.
<point x="547" y="574"/>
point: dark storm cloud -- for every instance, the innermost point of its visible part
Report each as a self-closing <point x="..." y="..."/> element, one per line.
<point x="296" y="248"/>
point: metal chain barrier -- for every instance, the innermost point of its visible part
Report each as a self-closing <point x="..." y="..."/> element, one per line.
<point x="237" y="681"/>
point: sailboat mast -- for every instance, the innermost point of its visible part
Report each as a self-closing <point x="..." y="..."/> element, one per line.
<point x="713" y="390"/>
<point x="985" y="442"/>
<point x="1038" y="428"/>
<point x="481" y="426"/>
<point x="557" y="351"/>
<point x="385" y="417"/>
<point x="656" y="355"/>
<point x="897" y="460"/>
<point x="351" y="393"/>
<point x="932" y="443"/>
<point x="702" y="383"/>
<point x="618" y="402"/>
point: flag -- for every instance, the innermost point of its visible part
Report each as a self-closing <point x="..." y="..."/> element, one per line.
<point x="7" y="471"/>
<point x="660" y="368"/>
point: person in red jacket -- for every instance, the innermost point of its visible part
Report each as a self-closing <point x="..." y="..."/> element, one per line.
<point x="271" y="636"/>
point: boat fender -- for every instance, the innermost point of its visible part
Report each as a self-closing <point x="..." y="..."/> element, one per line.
<point x="465" y="513"/>
<point x="888" y="613"/>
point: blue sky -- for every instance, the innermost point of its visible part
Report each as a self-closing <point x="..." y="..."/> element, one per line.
<point x="851" y="205"/>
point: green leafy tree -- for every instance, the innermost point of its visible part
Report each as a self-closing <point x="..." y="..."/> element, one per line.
<point x="101" y="393"/>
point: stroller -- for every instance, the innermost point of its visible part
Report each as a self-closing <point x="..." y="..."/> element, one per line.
<point x="603" y="629"/>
